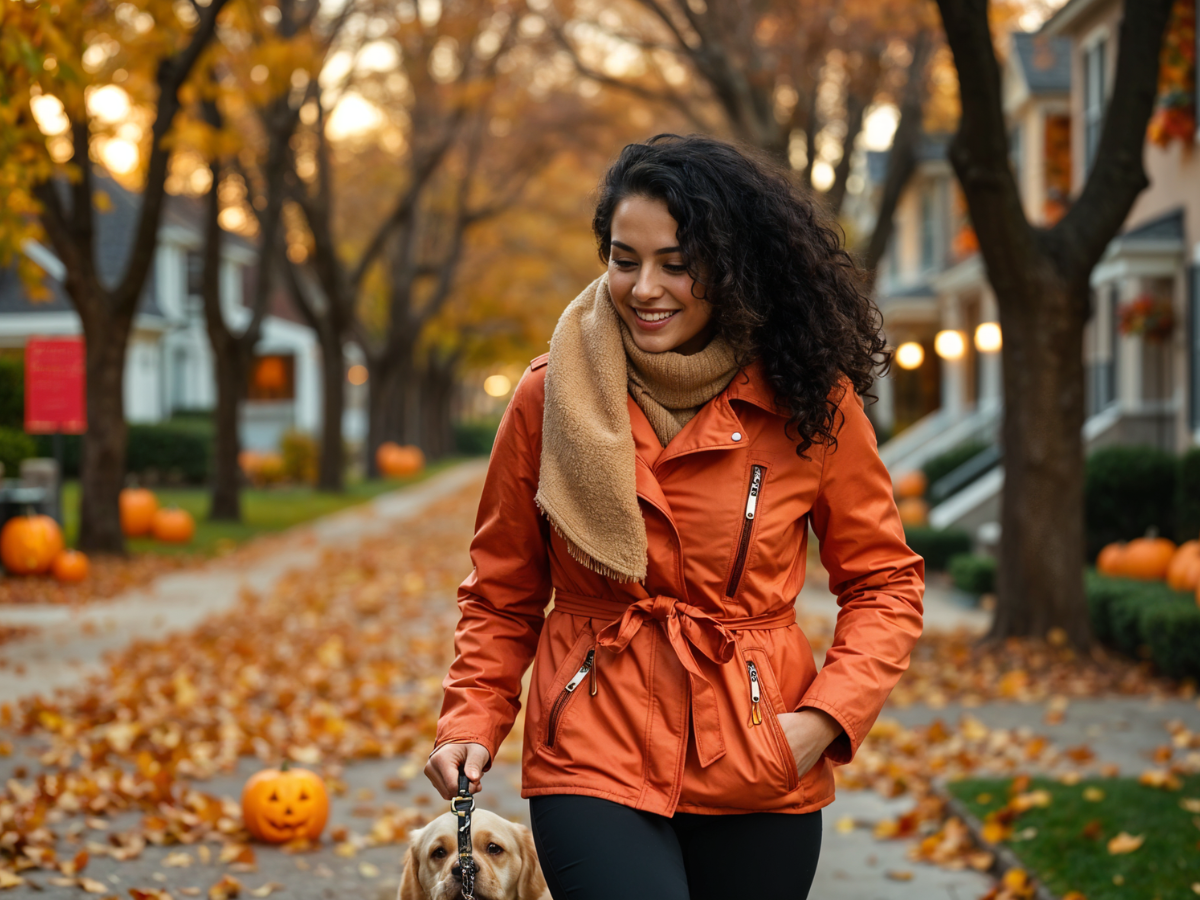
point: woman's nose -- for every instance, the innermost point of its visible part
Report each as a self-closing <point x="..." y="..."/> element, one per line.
<point x="646" y="287"/>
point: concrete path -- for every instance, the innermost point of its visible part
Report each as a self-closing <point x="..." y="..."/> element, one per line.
<point x="71" y="641"/>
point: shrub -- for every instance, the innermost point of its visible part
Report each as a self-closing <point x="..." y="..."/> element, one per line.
<point x="1187" y="502"/>
<point x="1172" y="632"/>
<point x="1122" y="611"/>
<point x="937" y="545"/>
<point x="973" y="573"/>
<point x="945" y="463"/>
<point x="1127" y="491"/>
<point x="169" y="452"/>
<point x="476" y="436"/>
<point x="72" y="450"/>
<point x="15" y="445"/>
<point x="299" y="456"/>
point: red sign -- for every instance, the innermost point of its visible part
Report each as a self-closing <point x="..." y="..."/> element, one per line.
<point x="54" y="386"/>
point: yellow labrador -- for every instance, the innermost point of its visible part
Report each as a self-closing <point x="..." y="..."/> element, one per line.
<point x="506" y="863"/>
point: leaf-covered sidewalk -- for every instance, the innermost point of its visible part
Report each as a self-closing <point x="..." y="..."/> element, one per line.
<point x="127" y="785"/>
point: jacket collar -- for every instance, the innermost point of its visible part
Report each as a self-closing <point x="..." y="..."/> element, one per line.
<point x="750" y="385"/>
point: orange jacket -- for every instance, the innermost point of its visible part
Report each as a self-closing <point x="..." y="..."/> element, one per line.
<point x="664" y="697"/>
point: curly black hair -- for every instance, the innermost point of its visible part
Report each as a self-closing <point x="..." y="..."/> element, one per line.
<point x="781" y="284"/>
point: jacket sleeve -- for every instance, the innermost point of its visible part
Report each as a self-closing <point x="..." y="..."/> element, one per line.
<point x="878" y="580"/>
<point x="502" y="602"/>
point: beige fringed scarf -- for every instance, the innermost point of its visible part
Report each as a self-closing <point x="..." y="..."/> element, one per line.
<point x="587" y="487"/>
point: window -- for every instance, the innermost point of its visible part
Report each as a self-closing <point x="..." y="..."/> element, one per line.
<point x="1095" y="98"/>
<point x="928" y="228"/>
<point x="193" y="304"/>
<point x="273" y="377"/>
<point x="179" y="378"/>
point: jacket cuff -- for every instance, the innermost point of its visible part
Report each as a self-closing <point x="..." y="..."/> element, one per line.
<point x="845" y="745"/>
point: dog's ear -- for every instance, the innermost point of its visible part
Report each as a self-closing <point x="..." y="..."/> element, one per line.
<point x="410" y="883"/>
<point x="532" y="885"/>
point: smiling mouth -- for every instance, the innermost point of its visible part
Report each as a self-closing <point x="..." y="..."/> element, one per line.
<point x="654" y="315"/>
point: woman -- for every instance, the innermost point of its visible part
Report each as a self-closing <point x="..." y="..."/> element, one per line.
<point x="659" y="470"/>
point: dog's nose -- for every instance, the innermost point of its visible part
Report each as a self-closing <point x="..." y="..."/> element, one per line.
<point x="456" y="872"/>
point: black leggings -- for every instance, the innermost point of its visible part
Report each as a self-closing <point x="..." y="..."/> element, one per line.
<point x="593" y="849"/>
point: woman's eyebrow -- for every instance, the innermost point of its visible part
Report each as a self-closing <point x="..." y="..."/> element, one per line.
<point x="661" y="252"/>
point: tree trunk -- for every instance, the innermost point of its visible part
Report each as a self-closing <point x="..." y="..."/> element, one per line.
<point x="1041" y="549"/>
<point x="380" y="393"/>
<point x="333" y="403"/>
<point x="102" y="469"/>
<point x="231" y="374"/>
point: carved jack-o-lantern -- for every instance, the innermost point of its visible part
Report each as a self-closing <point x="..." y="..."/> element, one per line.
<point x="285" y="804"/>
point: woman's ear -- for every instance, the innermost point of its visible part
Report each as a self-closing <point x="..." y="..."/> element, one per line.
<point x="410" y="883"/>
<point x="533" y="883"/>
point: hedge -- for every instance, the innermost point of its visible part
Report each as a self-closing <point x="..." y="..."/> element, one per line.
<point x="1187" y="502"/>
<point x="169" y="452"/>
<point x="1133" y="616"/>
<point x="937" y="545"/>
<point x="1128" y="491"/>
<point x="945" y="463"/>
<point x="15" y="446"/>
<point x="973" y="573"/>
<point x="476" y="436"/>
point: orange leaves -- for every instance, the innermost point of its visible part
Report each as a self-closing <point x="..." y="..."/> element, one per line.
<point x="1125" y="843"/>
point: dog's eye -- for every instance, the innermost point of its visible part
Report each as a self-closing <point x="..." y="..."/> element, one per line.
<point x="439" y="853"/>
<point x="495" y="849"/>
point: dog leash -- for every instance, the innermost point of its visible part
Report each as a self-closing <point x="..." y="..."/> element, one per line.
<point x="462" y="806"/>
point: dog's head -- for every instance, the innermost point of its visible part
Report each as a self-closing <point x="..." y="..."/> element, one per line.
<point x="506" y="864"/>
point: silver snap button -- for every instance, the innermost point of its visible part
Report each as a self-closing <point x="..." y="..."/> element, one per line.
<point x="737" y="436"/>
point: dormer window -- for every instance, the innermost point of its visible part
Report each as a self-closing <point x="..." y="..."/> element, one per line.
<point x="193" y="303"/>
<point x="1095" y="98"/>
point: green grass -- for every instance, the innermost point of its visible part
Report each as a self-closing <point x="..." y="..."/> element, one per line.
<point x="1164" y="868"/>
<point x="264" y="510"/>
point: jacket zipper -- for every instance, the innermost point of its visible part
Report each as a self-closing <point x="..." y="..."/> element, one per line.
<point x="739" y="562"/>
<point x="781" y="747"/>
<point x="560" y="704"/>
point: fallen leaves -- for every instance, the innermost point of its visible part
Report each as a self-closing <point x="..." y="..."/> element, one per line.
<point x="1125" y="843"/>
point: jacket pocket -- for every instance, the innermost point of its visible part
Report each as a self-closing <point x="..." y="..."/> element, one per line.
<point x="588" y="666"/>
<point x="758" y="474"/>
<point x="763" y="714"/>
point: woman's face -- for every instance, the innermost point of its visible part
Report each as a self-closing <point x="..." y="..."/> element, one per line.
<point x="649" y="283"/>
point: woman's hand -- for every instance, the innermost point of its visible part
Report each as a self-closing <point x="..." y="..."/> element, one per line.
<point x="808" y="733"/>
<point x="442" y="768"/>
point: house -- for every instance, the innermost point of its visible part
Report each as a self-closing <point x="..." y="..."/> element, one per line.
<point x="169" y="363"/>
<point x="1142" y="388"/>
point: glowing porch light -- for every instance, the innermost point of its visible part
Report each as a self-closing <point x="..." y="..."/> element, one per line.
<point x="910" y="355"/>
<point x="949" y="344"/>
<point x="987" y="337"/>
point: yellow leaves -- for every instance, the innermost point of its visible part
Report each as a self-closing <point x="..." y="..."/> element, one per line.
<point x="1161" y="779"/>
<point x="368" y="870"/>
<point x="267" y="889"/>
<point x="9" y="879"/>
<point x="1093" y="794"/>
<point x="899" y="875"/>
<point x="1190" y="804"/>
<point x="1032" y="800"/>
<point x="844" y="825"/>
<point x="225" y="889"/>
<point x="1013" y="684"/>
<point x="1125" y="843"/>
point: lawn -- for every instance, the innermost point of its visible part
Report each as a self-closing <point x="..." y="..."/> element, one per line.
<point x="1051" y="841"/>
<point x="264" y="510"/>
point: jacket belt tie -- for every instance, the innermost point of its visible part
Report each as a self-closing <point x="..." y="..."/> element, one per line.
<point x="687" y="628"/>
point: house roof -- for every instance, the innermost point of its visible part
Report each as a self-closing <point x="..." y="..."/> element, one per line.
<point x="1167" y="227"/>
<point x="1066" y="16"/>
<point x="931" y="148"/>
<point x="115" y="230"/>
<point x="1045" y="62"/>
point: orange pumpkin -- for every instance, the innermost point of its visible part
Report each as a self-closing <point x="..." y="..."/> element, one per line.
<point x="1110" y="559"/>
<point x="28" y="544"/>
<point x="1147" y="558"/>
<point x="394" y="461"/>
<point x="174" y="526"/>
<point x="138" y="507"/>
<point x="912" y="484"/>
<point x="1182" y="573"/>
<point x="913" y="511"/>
<point x="70" y="565"/>
<point x="285" y="804"/>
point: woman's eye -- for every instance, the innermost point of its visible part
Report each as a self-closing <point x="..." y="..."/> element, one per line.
<point x="495" y="849"/>
<point x="624" y="263"/>
<point x="439" y="853"/>
<point x="676" y="269"/>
